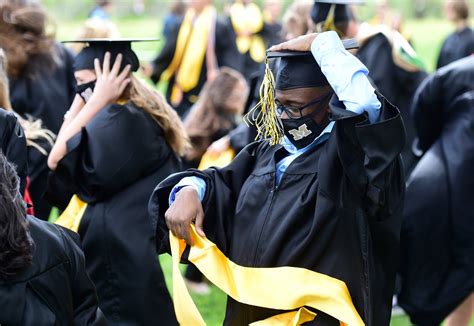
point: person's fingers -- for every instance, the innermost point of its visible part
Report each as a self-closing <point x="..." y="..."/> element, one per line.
<point x="98" y="70"/>
<point x="186" y="234"/>
<point x="167" y="220"/>
<point x="281" y="46"/>
<point x="174" y="228"/>
<point x="124" y="85"/>
<point x="124" y="72"/>
<point x="199" y="223"/>
<point x="106" y="65"/>
<point x="116" y="67"/>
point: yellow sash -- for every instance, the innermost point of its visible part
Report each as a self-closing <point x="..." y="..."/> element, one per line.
<point x="283" y="288"/>
<point x="190" y="51"/>
<point x="247" y="21"/>
<point x="221" y="160"/>
<point x="72" y="215"/>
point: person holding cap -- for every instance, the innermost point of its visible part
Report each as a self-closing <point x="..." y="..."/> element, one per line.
<point x="322" y="190"/>
<point x="118" y="140"/>
<point x="394" y="67"/>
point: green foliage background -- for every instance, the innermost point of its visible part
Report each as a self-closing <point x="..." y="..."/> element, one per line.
<point x="74" y="8"/>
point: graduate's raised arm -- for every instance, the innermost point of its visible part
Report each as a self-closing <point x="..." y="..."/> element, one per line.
<point x="109" y="86"/>
<point x="344" y="72"/>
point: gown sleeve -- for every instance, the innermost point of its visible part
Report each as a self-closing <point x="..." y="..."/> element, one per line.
<point x="223" y="187"/>
<point x="13" y="141"/>
<point x="111" y="152"/>
<point x="370" y="156"/>
<point x="427" y="112"/>
<point x="84" y="296"/>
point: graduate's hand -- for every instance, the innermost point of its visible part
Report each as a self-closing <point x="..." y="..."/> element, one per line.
<point x="301" y="43"/>
<point x="147" y="69"/>
<point x="219" y="146"/>
<point x="110" y="83"/>
<point x="185" y="209"/>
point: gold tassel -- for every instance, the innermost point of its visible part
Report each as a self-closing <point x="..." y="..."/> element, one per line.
<point x="329" y="24"/>
<point x="263" y="115"/>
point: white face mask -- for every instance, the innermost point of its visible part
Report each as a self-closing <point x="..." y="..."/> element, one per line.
<point x="85" y="90"/>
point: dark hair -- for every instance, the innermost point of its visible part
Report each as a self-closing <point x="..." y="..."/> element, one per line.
<point x="460" y="8"/>
<point x="26" y="38"/>
<point x="103" y="3"/>
<point x="15" y="246"/>
<point x="212" y="111"/>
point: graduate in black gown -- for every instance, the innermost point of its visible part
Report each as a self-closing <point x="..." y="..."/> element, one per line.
<point x="325" y="193"/>
<point x="118" y="140"/>
<point x="42" y="272"/>
<point x="460" y="43"/>
<point x="40" y="70"/>
<point x="394" y="74"/>
<point x="437" y="266"/>
<point x="38" y="141"/>
<point x="193" y="51"/>
<point x="247" y="21"/>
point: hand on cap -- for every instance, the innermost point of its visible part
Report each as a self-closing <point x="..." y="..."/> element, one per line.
<point x="301" y="43"/>
<point x="110" y="84"/>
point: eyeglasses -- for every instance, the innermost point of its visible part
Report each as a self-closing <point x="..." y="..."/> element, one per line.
<point x="291" y="112"/>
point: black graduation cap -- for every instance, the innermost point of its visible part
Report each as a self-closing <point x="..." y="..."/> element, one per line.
<point x="342" y="13"/>
<point x="98" y="47"/>
<point x="298" y="69"/>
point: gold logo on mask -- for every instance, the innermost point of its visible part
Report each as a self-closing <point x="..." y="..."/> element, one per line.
<point x="301" y="132"/>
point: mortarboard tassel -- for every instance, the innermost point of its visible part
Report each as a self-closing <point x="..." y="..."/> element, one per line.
<point x="264" y="115"/>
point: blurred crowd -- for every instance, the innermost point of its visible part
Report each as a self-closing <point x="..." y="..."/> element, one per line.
<point x="212" y="65"/>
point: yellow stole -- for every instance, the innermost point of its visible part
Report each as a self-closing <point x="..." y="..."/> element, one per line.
<point x="220" y="160"/>
<point x="72" y="215"/>
<point x="247" y="21"/>
<point x="283" y="288"/>
<point x="191" y="46"/>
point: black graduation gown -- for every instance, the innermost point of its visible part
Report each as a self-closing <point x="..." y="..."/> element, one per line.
<point x="437" y="266"/>
<point x="38" y="173"/>
<point x="456" y="46"/>
<point x="272" y="33"/>
<point x="55" y="289"/>
<point x="48" y="95"/>
<point x="336" y="211"/>
<point x="226" y="55"/>
<point x="113" y="164"/>
<point x="13" y="145"/>
<point x="395" y="83"/>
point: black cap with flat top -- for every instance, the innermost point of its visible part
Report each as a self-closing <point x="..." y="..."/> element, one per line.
<point x="299" y="69"/>
<point x="340" y="11"/>
<point x="98" y="47"/>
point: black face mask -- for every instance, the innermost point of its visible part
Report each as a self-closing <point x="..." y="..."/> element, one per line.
<point x="85" y="90"/>
<point x="302" y="131"/>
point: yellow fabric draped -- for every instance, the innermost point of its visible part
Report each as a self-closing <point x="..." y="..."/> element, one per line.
<point x="247" y="21"/>
<point x="209" y="159"/>
<point x="188" y="59"/>
<point x="72" y="215"/>
<point x="283" y="288"/>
